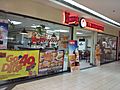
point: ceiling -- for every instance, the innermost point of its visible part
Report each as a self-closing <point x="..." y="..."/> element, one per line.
<point x="109" y="8"/>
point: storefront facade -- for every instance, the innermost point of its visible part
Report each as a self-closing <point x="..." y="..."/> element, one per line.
<point x="47" y="39"/>
<point x="93" y="35"/>
<point x="87" y="32"/>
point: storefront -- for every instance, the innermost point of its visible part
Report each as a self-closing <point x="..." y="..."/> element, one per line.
<point x="89" y="34"/>
<point x="85" y="33"/>
<point x="85" y="39"/>
<point x="37" y="40"/>
<point x="31" y="46"/>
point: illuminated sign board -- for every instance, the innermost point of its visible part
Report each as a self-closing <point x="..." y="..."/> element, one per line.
<point x="70" y="19"/>
<point x="90" y="25"/>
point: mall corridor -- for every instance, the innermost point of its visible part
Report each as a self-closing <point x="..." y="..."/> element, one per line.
<point x="105" y="77"/>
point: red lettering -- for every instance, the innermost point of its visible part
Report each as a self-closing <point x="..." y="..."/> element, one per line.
<point x="24" y="60"/>
<point x="27" y="61"/>
<point x="30" y="61"/>
<point x="69" y="19"/>
<point x="95" y="26"/>
<point x="5" y="67"/>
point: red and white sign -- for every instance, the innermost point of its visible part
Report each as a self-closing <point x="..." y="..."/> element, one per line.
<point x="72" y="42"/>
<point x="84" y="23"/>
<point x="70" y="19"/>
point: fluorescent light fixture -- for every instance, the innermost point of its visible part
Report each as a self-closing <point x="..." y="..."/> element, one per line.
<point x="50" y="31"/>
<point x="23" y="33"/>
<point x="61" y="30"/>
<point x="73" y="3"/>
<point x="79" y="33"/>
<point x="16" y="22"/>
<point x="47" y="27"/>
<point x="10" y="38"/>
<point x="34" y="26"/>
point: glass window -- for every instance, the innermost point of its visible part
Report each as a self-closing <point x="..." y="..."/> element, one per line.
<point x="27" y="33"/>
<point x="108" y="47"/>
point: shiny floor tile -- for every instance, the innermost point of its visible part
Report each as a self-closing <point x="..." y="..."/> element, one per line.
<point x="105" y="77"/>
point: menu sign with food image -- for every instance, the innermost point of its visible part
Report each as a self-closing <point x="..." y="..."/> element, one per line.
<point x="73" y="56"/>
<point x="50" y="61"/>
<point x="3" y="34"/>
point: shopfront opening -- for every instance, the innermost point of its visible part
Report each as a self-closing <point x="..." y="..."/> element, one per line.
<point x="85" y="44"/>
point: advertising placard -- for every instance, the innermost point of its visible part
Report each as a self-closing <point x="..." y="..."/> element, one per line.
<point x="3" y="34"/>
<point x="50" y="61"/>
<point x="73" y="55"/>
<point x="15" y="64"/>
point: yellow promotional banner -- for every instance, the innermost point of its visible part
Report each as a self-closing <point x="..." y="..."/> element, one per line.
<point x="15" y="64"/>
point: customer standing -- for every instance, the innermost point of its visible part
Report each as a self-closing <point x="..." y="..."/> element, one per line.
<point x="97" y="54"/>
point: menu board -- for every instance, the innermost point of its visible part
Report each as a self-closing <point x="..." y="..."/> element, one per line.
<point x="51" y="61"/>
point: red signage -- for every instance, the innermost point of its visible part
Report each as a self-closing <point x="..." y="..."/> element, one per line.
<point x="72" y="42"/>
<point x="85" y="23"/>
<point x="71" y="19"/>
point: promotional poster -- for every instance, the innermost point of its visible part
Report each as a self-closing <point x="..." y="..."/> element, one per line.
<point x="50" y="61"/>
<point x="3" y="34"/>
<point x="73" y="55"/>
<point x="15" y="64"/>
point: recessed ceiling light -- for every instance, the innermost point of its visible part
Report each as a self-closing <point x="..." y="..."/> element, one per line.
<point x="34" y="26"/>
<point x="79" y="33"/>
<point x="61" y="30"/>
<point x="50" y="31"/>
<point x="47" y="27"/>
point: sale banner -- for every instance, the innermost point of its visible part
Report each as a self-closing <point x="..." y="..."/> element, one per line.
<point x="15" y="64"/>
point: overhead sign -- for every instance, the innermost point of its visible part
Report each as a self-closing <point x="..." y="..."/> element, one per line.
<point x="84" y="23"/>
<point x="70" y="19"/>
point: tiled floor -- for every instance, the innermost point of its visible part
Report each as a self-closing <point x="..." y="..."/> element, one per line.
<point x="84" y="64"/>
<point x="105" y="77"/>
